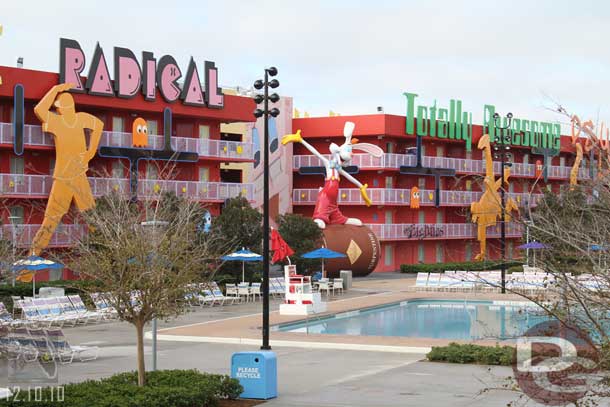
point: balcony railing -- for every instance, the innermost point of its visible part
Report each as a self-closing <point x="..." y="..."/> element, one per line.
<point x="64" y="236"/>
<point x="461" y="165"/>
<point x="387" y="196"/>
<point x="32" y="186"/>
<point x="430" y="231"/>
<point x="34" y="136"/>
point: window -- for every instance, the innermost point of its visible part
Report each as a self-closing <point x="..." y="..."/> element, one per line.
<point x="440" y="217"/>
<point x="388" y="217"/>
<point x="388" y="182"/>
<point x="421" y="183"/>
<point x="562" y="161"/>
<point x="468" y="250"/>
<point x="375" y="217"/>
<point x="375" y="182"/>
<point x="204" y="174"/>
<point x="509" y="249"/>
<point x="389" y="148"/>
<point x="526" y="186"/>
<point x="421" y="254"/>
<point x="117" y="169"/>
<point x="204" y="131"/>
<point x="151" y="171"/>
<point x="469" y="155"/>
<point x="439" y="252"/>
<point x="17" y="165"/>
<point x="423" y="150"/>
<point x="184" y="130"/>
<point x="440" y="151"/>
<point x="511" y="187"/>
<point x="389" y="255"/>
<point x="118" y="126"/>
<point x="152" y="127"/>
<point x="468" y="185"/>
<point x="526" y="158"/>
<point x="422" y="217"/>
<point x="51" y="165"/>
<point x="16" y="215"/>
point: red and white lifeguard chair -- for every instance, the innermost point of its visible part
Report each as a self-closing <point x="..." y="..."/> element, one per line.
<point x="300" y="298"/>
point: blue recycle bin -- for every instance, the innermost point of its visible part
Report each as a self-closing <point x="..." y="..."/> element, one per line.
<point x="257" y="373"/>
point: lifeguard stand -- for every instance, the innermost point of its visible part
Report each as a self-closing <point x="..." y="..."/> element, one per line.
<point x="300" y="298"/>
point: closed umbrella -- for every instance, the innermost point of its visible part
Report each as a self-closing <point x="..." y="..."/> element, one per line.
<point x="323" y="253"/>
<point x="280" y="248"/>
<point x="28" y="267"/>
<point x="243" y="255"/>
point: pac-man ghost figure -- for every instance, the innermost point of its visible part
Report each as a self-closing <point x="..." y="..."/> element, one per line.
<point x="539" y="168"/>
<point x="139" y="133"/>
<point x="414" y="203"/>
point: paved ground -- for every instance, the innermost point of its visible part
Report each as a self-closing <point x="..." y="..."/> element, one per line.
<point x="307" y="377"/>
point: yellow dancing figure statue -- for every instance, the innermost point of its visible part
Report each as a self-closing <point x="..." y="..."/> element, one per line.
<point x="488" y="209"/>
<point x="72" y="158"/>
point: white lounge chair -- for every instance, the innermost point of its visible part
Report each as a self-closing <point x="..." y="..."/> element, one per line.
<point x="66" y="352"/>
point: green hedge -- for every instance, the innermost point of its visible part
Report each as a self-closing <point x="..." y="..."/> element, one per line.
<point x="467" y="265"/>
<point x="165" y="388"/>
<point x="483" y="355"/>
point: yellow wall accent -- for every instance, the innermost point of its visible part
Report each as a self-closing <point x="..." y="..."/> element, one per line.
<point x="488" y="209"/>
<point x="57" y="113"/>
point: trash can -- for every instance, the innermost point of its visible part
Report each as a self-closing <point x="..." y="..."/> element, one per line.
<point x="346" y="275"/>
<point x="257" y="373"/>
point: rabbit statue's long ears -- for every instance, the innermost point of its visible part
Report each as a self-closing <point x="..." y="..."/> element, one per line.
<point x="348" y="130"/>
<point x="372" y="149"/>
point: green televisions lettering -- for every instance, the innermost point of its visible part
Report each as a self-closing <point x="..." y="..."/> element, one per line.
<point x="455" y="123"/>
<point x="526" y="133"/>
<point x="433" y="121"/>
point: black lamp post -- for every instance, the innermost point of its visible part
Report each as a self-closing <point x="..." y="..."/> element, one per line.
<point x="502" y="142"/>
<point x="265" y="112"/>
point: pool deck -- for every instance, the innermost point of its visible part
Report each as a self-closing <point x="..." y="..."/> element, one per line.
<point x="365" y="293"/>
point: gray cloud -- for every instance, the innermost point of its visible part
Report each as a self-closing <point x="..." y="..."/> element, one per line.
<point x="351" y="56"/>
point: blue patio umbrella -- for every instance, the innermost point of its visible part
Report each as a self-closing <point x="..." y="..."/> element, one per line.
<point x="323" y="253"/>
<point x="33" y="264"/>
<point x="243" y="255"/>
<point x="533" y="245"/>
<point x="597" y="248"/>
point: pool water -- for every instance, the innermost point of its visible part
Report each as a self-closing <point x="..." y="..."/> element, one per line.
<point x="430" y="319"/>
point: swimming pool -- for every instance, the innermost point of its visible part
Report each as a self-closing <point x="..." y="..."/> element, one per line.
<point x="429" y="319"/>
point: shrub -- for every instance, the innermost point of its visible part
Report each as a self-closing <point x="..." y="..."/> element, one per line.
<point x="483" y="355"/>
<point x="467" y="265"/>
<point x="165" y="388"/>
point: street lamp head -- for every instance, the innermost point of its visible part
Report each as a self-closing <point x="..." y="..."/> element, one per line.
<point x="272" y="71"/>
<point x="274" y="83"/>
<point x="258" y="99"/>
<point x="258" y="84"/>
<point x="274" y="112"/>
<point x="258" y="113"/>
<point x="274" y="97"/>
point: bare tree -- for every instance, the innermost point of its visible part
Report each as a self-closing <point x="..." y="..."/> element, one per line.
<point x="142" y="256"/>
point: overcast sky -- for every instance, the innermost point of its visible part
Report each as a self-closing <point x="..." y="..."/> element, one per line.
<point x="350" y="56"/>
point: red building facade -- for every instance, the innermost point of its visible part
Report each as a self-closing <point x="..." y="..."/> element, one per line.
<point x="427" y="234"/>
<point x="25" y="177"/>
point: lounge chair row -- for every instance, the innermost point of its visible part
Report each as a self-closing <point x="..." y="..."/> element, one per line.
<point x="208" y="294"/>
<point x="46" y="345"/>
<point x="57" y="311"/>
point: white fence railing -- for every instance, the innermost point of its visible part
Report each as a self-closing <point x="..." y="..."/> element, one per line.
<point x="461" y="165"/>
<point x="387" y="196"/>
<point x="18" y="185"/>
<point x="421" y="231"/>
<point x="64" y="236"/>
<point x="34" y="136"/>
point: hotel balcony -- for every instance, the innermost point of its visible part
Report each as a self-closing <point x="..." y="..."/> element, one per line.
<point x="220" y="149"/>
<point x="386" y="196"/>
<point x="431" y="231"/>
<point x="461" y="165"/>
<point x="39" y="186"/>
<point x="23" y="234"/>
